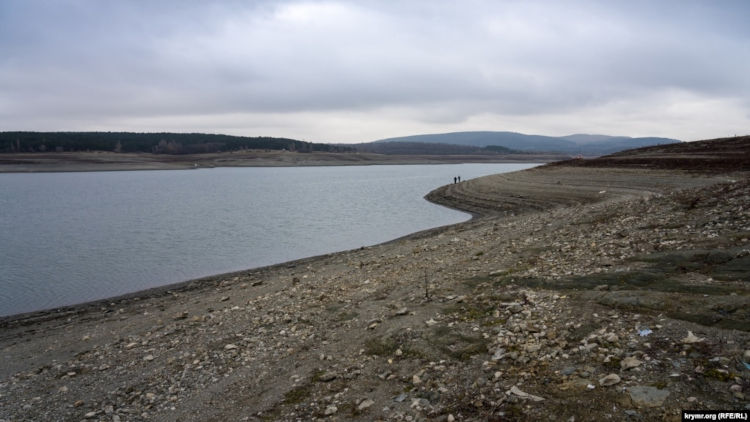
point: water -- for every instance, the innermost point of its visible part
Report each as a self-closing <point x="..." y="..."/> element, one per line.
<point x="68" y="238"/>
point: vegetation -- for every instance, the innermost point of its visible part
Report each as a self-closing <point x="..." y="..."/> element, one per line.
<point x="158" y="143"/>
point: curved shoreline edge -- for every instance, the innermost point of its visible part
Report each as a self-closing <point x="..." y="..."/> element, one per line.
<point x="509" y="196"/>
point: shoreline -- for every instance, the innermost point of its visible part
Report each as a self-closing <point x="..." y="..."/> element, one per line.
<point x="31" y="317"/>
<point x="512" y="314"/>
<point x="107" y="161"/>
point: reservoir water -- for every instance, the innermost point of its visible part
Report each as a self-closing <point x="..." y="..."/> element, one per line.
<point x="68" y="238"/>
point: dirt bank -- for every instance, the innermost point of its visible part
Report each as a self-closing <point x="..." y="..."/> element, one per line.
<point x="581" y="293"/>
<point x="110" y="161"/>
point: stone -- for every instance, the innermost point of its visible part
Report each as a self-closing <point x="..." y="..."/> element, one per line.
<point x="746" y="356"/>
<point x="608" y="380"/>
<point x="90" y="415"/>
<point x="629" y="363"/>
<point x="230" y="346"/>
<point x="330" y="410"/>
<point x="402" y="312"/>
<point x="416" y="380"/>
<point x="401" y="397"/>
<point x="570" y="370"/>
<point x="611" y="338"/>
<point x="328" y="376"/>
<point x="148" y="358"/>
<point x="646" y="396"/>
<point x="365" y="404"/>
<point x="499" y="354"/>
<point x="691" y="338"/>
<point x="518" y="393"/>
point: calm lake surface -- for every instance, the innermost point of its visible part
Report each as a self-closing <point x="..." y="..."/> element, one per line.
<point x="68" y="238"/>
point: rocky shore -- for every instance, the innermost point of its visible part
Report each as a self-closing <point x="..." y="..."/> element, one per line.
<point x="578" y="293"/>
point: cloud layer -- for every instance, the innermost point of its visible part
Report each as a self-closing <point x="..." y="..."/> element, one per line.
<point x="363" y="70"/>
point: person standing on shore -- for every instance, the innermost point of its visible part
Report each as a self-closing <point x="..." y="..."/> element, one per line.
<point x="454" y="180"/>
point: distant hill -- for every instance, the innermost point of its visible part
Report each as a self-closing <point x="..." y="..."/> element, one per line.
<point x="584" y="144"/>
<point x="158" y="143"/>
<point x="424" y="148"/>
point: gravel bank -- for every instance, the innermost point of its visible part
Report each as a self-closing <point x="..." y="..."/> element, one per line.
<point x="579" y="294"/>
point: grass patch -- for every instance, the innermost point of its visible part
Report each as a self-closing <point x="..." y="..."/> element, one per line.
<point x="380" y="346"/>
<point x="470" y="312"/>
<point x="298" y="394"/>
<point x="455" y="345"/>
<point x="345" y="316"/>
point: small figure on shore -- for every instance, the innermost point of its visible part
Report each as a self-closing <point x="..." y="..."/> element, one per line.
<point x="459" y="179"/>
<point x="454" y="180"/>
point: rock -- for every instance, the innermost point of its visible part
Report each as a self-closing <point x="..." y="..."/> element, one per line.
<point x="450" y="418"/>
<point x="632" y="413"/>
<point x="691" y="338"/>
<point x="148" y="358"/>
<point x="611" y="338"/>
<point x="419" y="403"/>
<point x="328" y="377"/>
<point x="643" y="395"/>
<point x="182" y="315"/>
<point x="629" y="362"/>
<point x="330" y="410"/>
<point x="90" y="415"/>
<point x="402" y="312"/>
<point x="608" y="380"/>
<point x="401" y="397"/>
<point x="365" y="404"/>
<point x="570" y="370"/>
<point x="224" y="299"/>
<point x="499" y="354"/>
<point x="230" y="346"/>
<point x="518" y="393"/>
<point x="416" y="380"/>
<point x="430" y="322"/>
<point x="746" y="356"/>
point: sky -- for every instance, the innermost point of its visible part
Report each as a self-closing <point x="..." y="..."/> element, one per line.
<point x="358" y="71"/>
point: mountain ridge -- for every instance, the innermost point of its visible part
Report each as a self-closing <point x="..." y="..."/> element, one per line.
<point x="585" y="144"/>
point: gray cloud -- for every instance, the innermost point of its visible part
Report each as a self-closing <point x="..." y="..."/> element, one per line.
<point x="374" y="69"/>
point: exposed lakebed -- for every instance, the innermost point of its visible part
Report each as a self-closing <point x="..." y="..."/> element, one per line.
<point x="68" y="238"/>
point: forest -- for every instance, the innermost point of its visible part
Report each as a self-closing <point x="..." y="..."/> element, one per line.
<point x="157" y="143"/>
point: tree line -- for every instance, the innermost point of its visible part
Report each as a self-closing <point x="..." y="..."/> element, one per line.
<point x="157" y="143"/>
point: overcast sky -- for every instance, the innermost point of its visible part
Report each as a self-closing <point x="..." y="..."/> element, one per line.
<point x="351" y="71"/>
